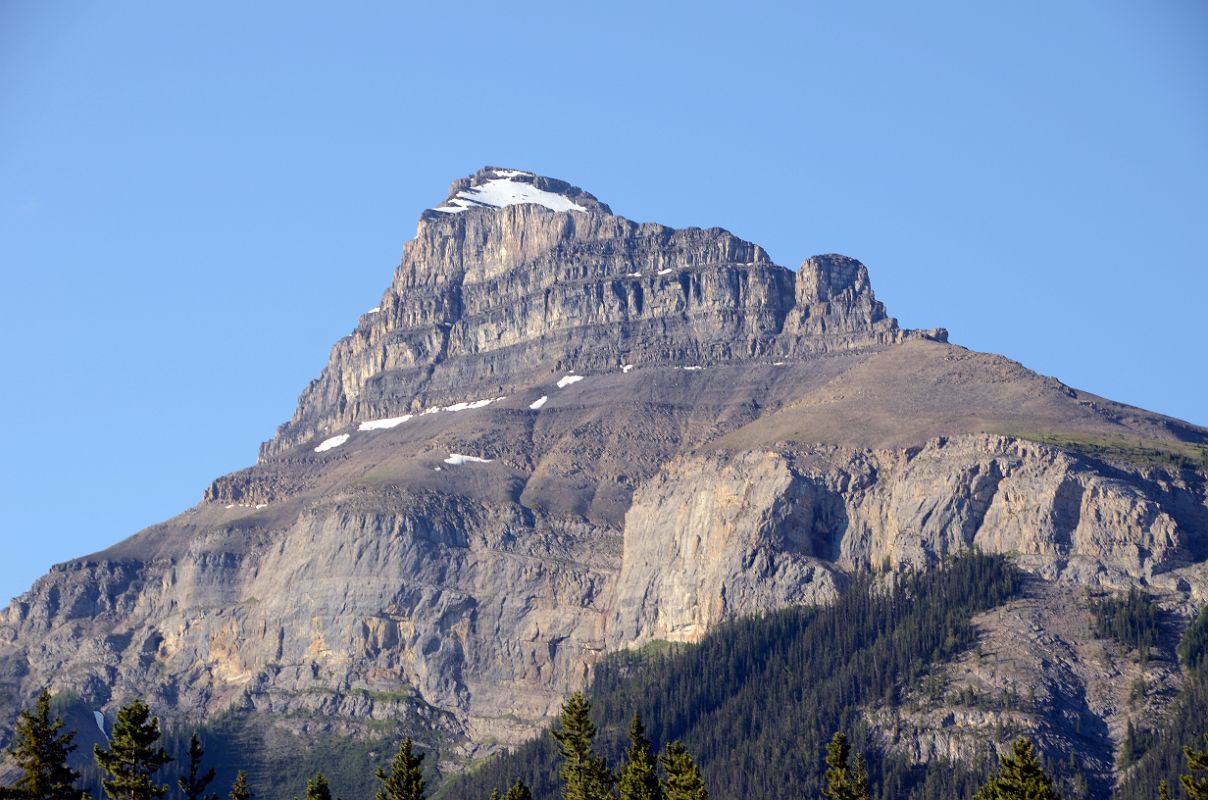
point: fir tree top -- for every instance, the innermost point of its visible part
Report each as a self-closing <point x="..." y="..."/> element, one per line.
<point x="40" y="752"/>
<point x="1020" y="777"/>
<point x="193" y="785"/>
<point x="683" y="781"/>
<point x="405" y="781"/>
<point x="585" y="776"/>
<point x="638" y="778"/>
<point x="519" y="791"/>
<point x="1197" y="761"/>
<point x="843" y="782"/>
<point x="240" y="790"/>
<point x="317" y="788"/>
<point x="133" y="756"/>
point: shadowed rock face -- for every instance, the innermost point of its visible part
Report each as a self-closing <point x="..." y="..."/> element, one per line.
<point x="741" y="437"/>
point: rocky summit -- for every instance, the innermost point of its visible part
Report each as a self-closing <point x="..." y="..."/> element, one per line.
<point x="562" y="433"/>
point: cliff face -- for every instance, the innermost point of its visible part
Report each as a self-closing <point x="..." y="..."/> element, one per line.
<point x="562" y="432"/>
<point x="485" y="300"/>
<point x="717" y="535"/>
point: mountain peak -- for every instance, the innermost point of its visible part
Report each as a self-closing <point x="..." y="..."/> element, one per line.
<point x="496" y="187"/>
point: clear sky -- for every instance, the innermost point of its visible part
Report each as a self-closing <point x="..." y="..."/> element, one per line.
<point x="198" y="199"/>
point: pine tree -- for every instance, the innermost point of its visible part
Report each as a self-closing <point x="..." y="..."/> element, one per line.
<point x="584" y="775"/>
<point x="683" y="781"/>
<point x="1163" y="790"/>
<point x="1197" y="761"/>
<point x="638" y="778"/>
<point x="405" y="781"/>
<point x="518" y="792"/>
<point x="1020" y="777"/>
<point x="317" y="788"/>
<point x="40" y="752"/>
<point x="133" y="755"/>
<point x="843" y="782"/>
<point x="240" y="790"/>
<point x="192" y="786"/>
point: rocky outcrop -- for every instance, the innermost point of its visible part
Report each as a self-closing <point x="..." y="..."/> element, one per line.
<point x="474" y="609"/>
<point x="714" y="535"/>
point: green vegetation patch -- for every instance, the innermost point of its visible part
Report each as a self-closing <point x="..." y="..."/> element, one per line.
<point x="1133" y="620"/>
<point x="1157" y="753"/>
<point x="1139" y="452"/>
<point x="1193" y="648"/>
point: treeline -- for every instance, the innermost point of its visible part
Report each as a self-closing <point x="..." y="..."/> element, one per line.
<point x="1162" y="749"/>
<point x="134" y="758"/>
<point x="758" y="699"/>
<point x="133" y="763"/>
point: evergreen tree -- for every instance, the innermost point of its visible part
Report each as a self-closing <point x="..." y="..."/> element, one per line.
<point x="193" y="786"/>
<point x="1197" y="761"/>
<point x="843" y="782"/>
<point x="40" y="752"/>
<point x="584" y="775"/>
<point x="240" y="790"/>
<point x="317" y="788"/>
<point x="1020" y="777"/>
<point x="1163" y="790"/>
<point x="683" y="781"/>
<point x="518" y="792"/>
<point x="638" y="779"/>
<point x="405" y="781"/>
<point x="133" y="755"/>
<point x="748" y="725"/>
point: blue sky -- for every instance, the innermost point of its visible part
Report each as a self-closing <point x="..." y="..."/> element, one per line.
<point x="197" y="200"/>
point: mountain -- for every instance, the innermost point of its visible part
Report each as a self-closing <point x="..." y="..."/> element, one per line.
<point x="562" y="433"/>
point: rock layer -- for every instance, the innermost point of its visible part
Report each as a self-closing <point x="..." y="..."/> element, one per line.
<point x="487" y="296"/>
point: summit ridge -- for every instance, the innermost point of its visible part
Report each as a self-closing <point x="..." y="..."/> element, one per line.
<point x="497" y="187"/>
<point x="507" y="187"/>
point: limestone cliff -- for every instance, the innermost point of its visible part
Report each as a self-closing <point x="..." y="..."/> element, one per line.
<point x="488" y="298"/>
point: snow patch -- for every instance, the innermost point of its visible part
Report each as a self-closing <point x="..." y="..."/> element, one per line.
<point x="458" y="459"/>
<point x="635" y="274"/>
<point x="503" y="191"/>
<point x="469" y="404"/>
<point x="383" y="424"/>
<point x="626" y="367"/>
<point x="332" y="443"/>
<point x="664" y="272"/>
<point x="374" y="310"/>
<point x="510" y="173"/>
<point x="100" y="723"/>
<point x="691" y="369"/>
<point x="540" y="401"/>
<point x="777" y="363"/>
<point x="567" y="380"/>
<point x="393" y="422"/>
